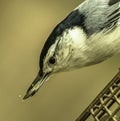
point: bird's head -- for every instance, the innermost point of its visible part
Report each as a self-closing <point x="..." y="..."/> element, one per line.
<point x="54" y="58"/>
<point x="60" y="51"/>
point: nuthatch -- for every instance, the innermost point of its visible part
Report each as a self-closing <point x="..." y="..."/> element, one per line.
<point x="88" y="35"/>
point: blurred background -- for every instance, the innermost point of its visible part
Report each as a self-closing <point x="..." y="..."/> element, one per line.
<point x="24" y="27"/>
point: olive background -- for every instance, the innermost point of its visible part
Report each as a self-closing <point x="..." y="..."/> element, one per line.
<point x="24" y="27"/>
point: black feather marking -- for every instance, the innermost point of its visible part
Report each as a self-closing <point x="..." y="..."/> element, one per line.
<point x="112" y="2"/>
<point x="75" y="18"/>
<point x="116" y="17"/>
<point x="114" y="12"/>
<point x="112" y="19"/>
<point x="111" y="24"/>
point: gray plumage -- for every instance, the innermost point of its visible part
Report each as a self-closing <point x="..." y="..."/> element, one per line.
<point x="88" y="35"/>
<point x="98" y="14"/>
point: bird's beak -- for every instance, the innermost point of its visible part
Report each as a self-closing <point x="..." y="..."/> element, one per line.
<point x="37" y="83"/>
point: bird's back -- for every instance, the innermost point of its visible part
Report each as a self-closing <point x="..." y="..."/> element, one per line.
<point x="99" y="14"/>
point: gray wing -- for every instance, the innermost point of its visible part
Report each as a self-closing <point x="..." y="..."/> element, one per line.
<point x="113" y="17"/>
<point x="100" y="14"/>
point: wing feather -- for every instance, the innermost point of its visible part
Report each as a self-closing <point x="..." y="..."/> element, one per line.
<point x="102" y="15"/>
<point x="113" y="17"/>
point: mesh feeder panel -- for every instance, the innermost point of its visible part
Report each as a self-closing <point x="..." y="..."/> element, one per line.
<point x="106" y="106"/>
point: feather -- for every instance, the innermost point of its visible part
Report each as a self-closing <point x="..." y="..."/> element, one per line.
<point x="111" y="2"/>
<point x="102" y="15"/>
<point x="114" y="16"/>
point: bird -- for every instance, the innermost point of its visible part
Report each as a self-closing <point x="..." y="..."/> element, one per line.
<point x="90" y="34"/>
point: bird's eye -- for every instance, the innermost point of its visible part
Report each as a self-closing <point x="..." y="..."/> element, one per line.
<point x="52" y="60"/>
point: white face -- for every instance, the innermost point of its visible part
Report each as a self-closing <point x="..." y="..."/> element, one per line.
<point x="65" y="53"/>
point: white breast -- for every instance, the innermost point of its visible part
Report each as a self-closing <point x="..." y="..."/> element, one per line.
<point x="93" y="50"/>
